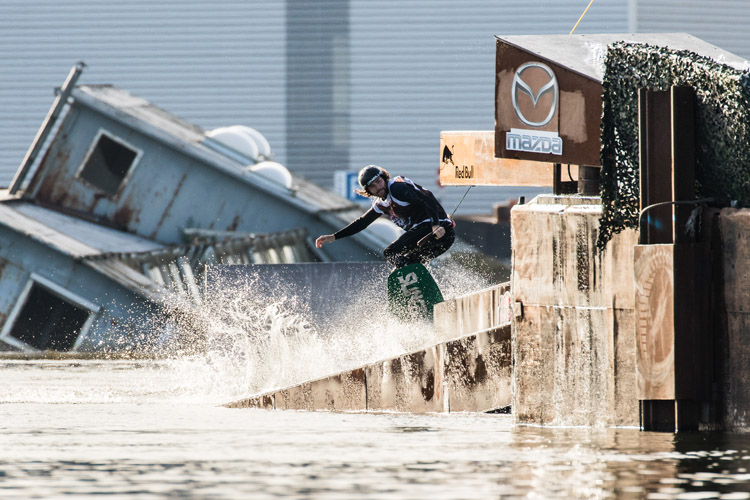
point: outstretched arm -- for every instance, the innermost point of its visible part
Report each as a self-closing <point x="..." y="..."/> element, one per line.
<point x="354" y="227"/>
<point x="323" y="239"/>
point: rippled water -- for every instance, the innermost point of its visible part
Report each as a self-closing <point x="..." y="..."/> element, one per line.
<point x="151" y="430"/>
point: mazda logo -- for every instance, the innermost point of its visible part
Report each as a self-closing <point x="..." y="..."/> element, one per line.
<point x="520" y="86"/>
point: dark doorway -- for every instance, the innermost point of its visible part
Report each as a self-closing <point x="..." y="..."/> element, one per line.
<point x="47" y="322"/>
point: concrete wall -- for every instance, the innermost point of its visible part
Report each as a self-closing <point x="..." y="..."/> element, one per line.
<point x="474" y="312"/>
<point x="731" y="250"/>
<point x="573" y="336"/>
<point x="467" y="374"/>
<point x="573" y="348"/>
<point x="470" y="372"/>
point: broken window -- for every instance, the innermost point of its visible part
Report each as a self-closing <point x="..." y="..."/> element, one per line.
<point x="48" y="317"/>
<point x="107" y="163"/>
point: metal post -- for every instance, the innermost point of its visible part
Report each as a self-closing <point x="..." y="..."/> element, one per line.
<point x="46" y="128"/>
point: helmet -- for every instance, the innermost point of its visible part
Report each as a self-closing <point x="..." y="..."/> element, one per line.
<point x="369" y="174"/>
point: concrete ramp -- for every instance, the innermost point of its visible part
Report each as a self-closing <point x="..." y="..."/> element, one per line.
<point x="470" y="373"/>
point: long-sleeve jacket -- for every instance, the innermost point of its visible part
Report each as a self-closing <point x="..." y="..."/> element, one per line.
<point x="407" y="205"/>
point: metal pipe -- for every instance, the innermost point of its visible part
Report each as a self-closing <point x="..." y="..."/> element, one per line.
<point x="699" y="201"/>
<point x="47" y="125"/>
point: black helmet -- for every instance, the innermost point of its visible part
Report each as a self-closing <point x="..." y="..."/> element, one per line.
<point x="369" y="174"/>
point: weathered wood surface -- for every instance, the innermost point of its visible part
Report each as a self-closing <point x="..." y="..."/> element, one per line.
<point x="732" y="323"/>
<point x="672" y="321"/>
<point x="654" y="307"/>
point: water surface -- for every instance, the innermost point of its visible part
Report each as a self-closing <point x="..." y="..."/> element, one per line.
<point x="149" y="429"/>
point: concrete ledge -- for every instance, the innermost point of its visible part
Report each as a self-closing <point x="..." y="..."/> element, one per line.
<point x="471" y="373"/>
<point x="473" y="312"/>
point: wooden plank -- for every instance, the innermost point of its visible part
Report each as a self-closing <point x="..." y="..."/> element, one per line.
<point x="672" y="321"/>
<point x="682" y="100"/>
<point x="654" y="309"/>
<point x="655" y="137"/>
<point x="467" y="158"/>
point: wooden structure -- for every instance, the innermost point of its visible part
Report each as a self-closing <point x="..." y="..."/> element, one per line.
<point x="468" y="159"/>
<point x="672" y="269"/>
<point x="547" y="113"/>
<point x="621" y="336"/>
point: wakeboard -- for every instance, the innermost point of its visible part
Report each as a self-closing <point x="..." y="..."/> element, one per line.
<point x="412" y="293"/>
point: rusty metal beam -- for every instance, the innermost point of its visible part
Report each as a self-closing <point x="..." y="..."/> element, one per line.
<point x="47" y="125"/>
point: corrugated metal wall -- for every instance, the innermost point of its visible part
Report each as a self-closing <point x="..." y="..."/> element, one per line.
<point x="423" y="66"/>
<point x="212" y="63"/>
<point x="721" y="22"/>
<point x="317" y="114"/>
<point x="407" y="69"/>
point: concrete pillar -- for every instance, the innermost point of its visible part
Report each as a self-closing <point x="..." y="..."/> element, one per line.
<point x="573" y="341"/>
<point x="732" y="320"/>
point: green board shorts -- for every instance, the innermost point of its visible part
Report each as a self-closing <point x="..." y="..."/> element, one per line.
<point x="412" y="293"/>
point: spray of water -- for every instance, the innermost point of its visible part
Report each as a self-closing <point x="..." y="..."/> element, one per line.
<point x="244" y="339"/>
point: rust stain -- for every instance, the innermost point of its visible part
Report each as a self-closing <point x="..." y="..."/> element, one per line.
<point x="123" y="216"/>
<point x="499" y="335"/>
<point x="234" y="224"/>
<point x="47" y="191"/>
<point x="396" y="366"/>
<point x="48" y="177"/>
<point x="3" y="264"/>
<point x="165" y="213"/>
<point x="428" y="386"/>
<point x="98" y="196"/>
<point x="358" y="375"/>
<point x="480" y="371"/>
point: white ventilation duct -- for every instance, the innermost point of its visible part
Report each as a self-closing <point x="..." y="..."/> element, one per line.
<point x="246" y="141"/>
<point x="273" y="171"/>
<point x="264" y="148"/>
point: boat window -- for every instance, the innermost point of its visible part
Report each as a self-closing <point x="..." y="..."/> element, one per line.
<point x="48" y="317"/>
<point x="108" y="162"/>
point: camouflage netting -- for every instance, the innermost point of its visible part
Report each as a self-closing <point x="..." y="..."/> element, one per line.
<point x="722" y="127"/>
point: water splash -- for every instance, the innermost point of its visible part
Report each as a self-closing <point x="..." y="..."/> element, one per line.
<point x="245" y="340"/>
